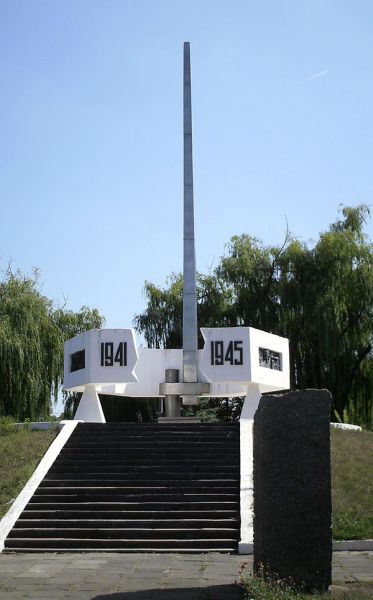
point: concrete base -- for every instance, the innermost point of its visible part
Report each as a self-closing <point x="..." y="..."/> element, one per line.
<point x="245" y="548"/>
<point x="89" y="409"/>
<point x="178" y="420"/>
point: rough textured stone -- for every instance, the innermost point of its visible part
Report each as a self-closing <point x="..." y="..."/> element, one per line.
<point x="292" y="487"/>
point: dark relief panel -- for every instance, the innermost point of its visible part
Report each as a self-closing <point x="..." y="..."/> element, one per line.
<point x="77" y="361"/>
<point x="270" y="359"/>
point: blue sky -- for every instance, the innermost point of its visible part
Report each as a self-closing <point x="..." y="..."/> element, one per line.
<point x="91" y="134"/>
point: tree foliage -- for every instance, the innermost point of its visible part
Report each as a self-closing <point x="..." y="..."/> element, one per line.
<point x="32" y="333"/>
<point x="320" y="297"/>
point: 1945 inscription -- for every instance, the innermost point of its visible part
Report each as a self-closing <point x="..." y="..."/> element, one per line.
<point x="231" y="353"/>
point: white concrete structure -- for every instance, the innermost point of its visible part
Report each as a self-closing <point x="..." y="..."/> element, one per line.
<point x="345" y="426"/>
<point x="232" y="360"/>
<point x="246" y="543"/>
<point x="95" y="358"/>
<point x="246" y="355"/>
<point x="100" y="356"/>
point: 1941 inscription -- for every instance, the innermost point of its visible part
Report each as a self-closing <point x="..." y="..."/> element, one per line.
<point x="111" y="356"/>
<point x="231" y="353"/>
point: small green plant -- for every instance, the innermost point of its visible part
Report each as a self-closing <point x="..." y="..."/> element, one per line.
<point x="26" y="424"/>
<point x="265" y="587"/>
<point x="7" y="425"/>
<point x="257" y="587"/>
<point x="347" y="526"/>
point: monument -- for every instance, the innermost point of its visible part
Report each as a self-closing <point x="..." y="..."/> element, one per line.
<point x="235" y="361"/>
<point x="283" y="444"/>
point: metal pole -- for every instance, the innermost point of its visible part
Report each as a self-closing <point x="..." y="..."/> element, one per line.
<point x="189" y="388"/>
<point x="171" y="401"/>
<point x="190" y="343"/>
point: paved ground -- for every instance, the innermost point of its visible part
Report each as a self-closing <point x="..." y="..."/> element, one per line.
<point x="142" y="576"/>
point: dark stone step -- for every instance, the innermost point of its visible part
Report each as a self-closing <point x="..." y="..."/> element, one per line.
<point x="148" y="461"/>
<point x="104" y="545"/>
<point x="200" y="448"/>
<point x="37" y="503"/>
<point x="162" y="513"/>
<point x="158" y="443"/>
<point x="125" y="523"/>
<point x="157" y="426"/>
<point x="152" y="471"/>
<point x="222" y="442"/>
<point x="69" y="479"/>
<point x="155" y="438"/>
<point x="125" y="534"/>
<point x="139" y="436"/>
<point x="183" y="449"/>
<point x="127" y="483"/>
<point x="151" y="456"/>
<point x="124" y="550"/>
<point x="137" y="488"/>
<point x="99" y="495"/>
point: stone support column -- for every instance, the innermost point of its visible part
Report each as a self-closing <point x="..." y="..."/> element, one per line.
<point x="245" y="545"/>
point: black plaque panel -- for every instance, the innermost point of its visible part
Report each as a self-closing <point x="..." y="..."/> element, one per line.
<point x="270" y="359"/>
<point x="77" y="361"/>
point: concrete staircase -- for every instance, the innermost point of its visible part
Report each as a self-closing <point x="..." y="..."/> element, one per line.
<point x="129" y="487"/>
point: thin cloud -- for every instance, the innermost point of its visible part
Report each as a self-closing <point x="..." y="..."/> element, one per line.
<point x="314" y="76"/>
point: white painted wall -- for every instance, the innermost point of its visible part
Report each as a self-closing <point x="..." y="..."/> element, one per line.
<point x="246" y="543"/>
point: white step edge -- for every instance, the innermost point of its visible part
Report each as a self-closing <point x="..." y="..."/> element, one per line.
<point x="8" y="521"/>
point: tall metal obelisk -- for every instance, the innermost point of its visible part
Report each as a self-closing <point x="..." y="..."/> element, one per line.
<point x="190" y="341"/>
<point x="189" y="388"/>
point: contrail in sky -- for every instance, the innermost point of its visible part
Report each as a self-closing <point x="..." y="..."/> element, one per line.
<point x="314" y="76"/>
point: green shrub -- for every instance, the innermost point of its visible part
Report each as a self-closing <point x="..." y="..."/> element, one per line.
<point x="7" y="425"/>
<point x="265" y="587"/>
<point x="348" y="526"/>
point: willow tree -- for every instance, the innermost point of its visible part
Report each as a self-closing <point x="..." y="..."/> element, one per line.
<point x="162" y="320"/>
<point x="327" y="312"/>
<point x="320" y="297"/>
<point x="31" y="347"/>
<point x="343" y="315"/>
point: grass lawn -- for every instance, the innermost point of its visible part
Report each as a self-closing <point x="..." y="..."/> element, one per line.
<point x="20" y="453"/>
<point x="352" y="484"/>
